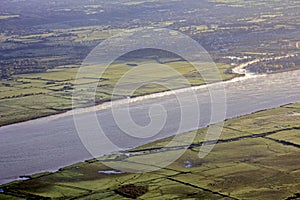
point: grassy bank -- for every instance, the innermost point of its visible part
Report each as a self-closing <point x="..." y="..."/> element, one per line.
<point x="30" y="96"/>
<point x="255" y="158"/>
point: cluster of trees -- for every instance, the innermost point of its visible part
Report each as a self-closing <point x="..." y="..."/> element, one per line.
<point x="21" y="95"/>
<point x="274" y="65"/>
<point x="20" y="66"/>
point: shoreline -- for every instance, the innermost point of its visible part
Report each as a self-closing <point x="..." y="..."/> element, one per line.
<point x="239" y="74"/>
<point x="107" y="105"/>
<point x="129" y="153"/>
<point x="249" y="157"/>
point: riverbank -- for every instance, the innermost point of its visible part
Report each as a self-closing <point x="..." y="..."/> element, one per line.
<point x="255" y="157"/>
<point x="58" y="106"/>
<point x="32" y="96"/>
<point x="57" y="137"/>
<point x="57" y="111"/>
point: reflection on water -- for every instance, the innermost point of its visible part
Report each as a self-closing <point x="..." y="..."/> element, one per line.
<point x="52" y="142"/>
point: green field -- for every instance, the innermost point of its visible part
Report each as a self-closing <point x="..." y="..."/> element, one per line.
<point x="255" y="158"/>
<point x="29" y="96"/>
<point x="43" y="43"/>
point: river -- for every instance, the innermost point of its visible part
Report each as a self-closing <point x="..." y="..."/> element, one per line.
<point x="47" y="144"/>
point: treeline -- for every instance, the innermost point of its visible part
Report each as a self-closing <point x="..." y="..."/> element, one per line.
<point x="275" y="65"/>
<point x="20" y="66"/>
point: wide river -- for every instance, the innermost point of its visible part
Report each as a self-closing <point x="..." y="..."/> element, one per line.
<point x="49" y="143"/>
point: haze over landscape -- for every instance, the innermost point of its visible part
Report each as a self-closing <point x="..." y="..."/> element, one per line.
<point x="160" y="99"/>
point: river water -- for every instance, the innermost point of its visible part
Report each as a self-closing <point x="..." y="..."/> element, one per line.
<point x="46" y="144"/>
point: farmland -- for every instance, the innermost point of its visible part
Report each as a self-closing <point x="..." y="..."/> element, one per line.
<point x="67" y="31"/>
<point x="43" y="45"/>
<point x="40" y="57"/>
<point x="30" y="96"/>
<point x="255" y="157"/>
